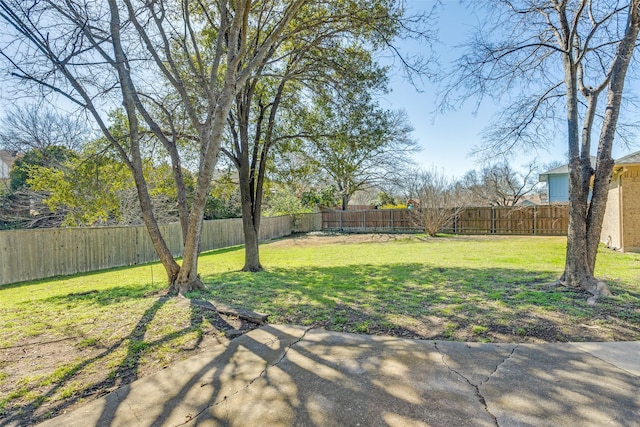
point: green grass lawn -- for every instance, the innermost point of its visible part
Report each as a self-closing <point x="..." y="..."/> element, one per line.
<point x="67" y="338"/>
<point x="431" y="288"/>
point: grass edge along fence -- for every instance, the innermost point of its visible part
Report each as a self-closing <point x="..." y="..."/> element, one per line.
<point x="543" y="220"/>
<point x="42" y="253"/>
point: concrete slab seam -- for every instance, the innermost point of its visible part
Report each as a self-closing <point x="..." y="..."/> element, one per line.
<point x="476" y="387"/>
<point x="226" y="398"/>
<point x="633" y="374"/>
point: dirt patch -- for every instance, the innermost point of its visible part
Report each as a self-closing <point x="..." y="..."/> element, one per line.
<point x="85" y="370"/>
<point x="324" y="238"/>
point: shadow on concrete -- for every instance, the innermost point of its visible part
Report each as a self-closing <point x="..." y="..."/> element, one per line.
<point x="285" y="375"/>
<point x="135" y="343"/>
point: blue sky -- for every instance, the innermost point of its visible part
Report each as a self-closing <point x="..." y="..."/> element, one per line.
<point x="447" y="140"/>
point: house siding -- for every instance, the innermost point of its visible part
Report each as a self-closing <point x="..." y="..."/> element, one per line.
<point x="611" y="225"/>
<point x="630" y="181"/>
<point x="558" y="188"/>
<point x="4" y="177"/>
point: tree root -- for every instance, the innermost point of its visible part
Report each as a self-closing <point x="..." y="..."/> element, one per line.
<point x="177" y="288"/>
<point x="595" y="287"/>
<point x="598" y="289"/>
<point x="251" y="316"/>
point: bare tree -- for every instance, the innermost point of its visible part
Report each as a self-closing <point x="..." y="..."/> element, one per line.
<point x="500" y="184"/>
<point x="35" y="127"/>
<point x="24" y="208"/>
<point x="553" y="56"/>
<point x="98" y="55"/>
<point x="440" y="199"/>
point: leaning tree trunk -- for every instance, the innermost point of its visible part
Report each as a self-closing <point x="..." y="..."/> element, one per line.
<point x="188" y="278"/>
<point x="135" y="163"/>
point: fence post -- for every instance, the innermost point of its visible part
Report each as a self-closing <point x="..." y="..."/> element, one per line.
<point x="364" y="220"/>
<point x="493" y="220"/>
<point x="391" y="212"/>
<point x="534" y="220"/>
<point x="340" y="220"/>
<point x="455" y="221"/>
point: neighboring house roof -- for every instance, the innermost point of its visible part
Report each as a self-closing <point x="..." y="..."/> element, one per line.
<point x="629" y="159"/>
<point x="561" y="170"/>
<point x="531" y="200"/>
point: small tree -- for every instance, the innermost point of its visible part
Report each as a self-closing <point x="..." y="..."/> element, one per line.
<point x="97" y="189"/>
<point x="440" y="200"/>
<point x="50" y="157"/>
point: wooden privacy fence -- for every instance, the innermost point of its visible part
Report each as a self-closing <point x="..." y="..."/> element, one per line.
<point x="538" y="220"/>
<point x="41" y="253"/>
<point x="373" y="220"/>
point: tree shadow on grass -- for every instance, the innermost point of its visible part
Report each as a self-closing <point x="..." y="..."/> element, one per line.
<point x="130" y="348"/>
<point x="422" y="301"/>
<point x="103" y="297"/>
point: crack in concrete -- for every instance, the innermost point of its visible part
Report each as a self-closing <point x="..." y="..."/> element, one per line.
<point x="513" y="350"/>
<point x="284" y="354"/>
<point x="476" y="387"/>
<point x="131" y="408"/>
<point x="226" y="398"/>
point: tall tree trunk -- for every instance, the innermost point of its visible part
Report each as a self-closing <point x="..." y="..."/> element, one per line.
<point x="345" y="201"/>
<point x="576" y="272"/>
<point x="585" y="220"/>
<point x="250" y="222"/>
<point x="251" y="244"/>
<point x="605" y="163"/>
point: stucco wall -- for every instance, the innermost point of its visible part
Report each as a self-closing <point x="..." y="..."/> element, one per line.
<point x="611" y="225"/>
<point x="631" y="209"/>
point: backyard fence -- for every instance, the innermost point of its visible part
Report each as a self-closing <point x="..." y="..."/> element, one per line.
<point x="550" y="220"/>
<point x="41" y="253"/>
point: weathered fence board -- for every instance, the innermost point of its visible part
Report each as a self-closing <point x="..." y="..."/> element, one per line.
<point x="41" y="253"/>
<point x="538" y="220"/>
